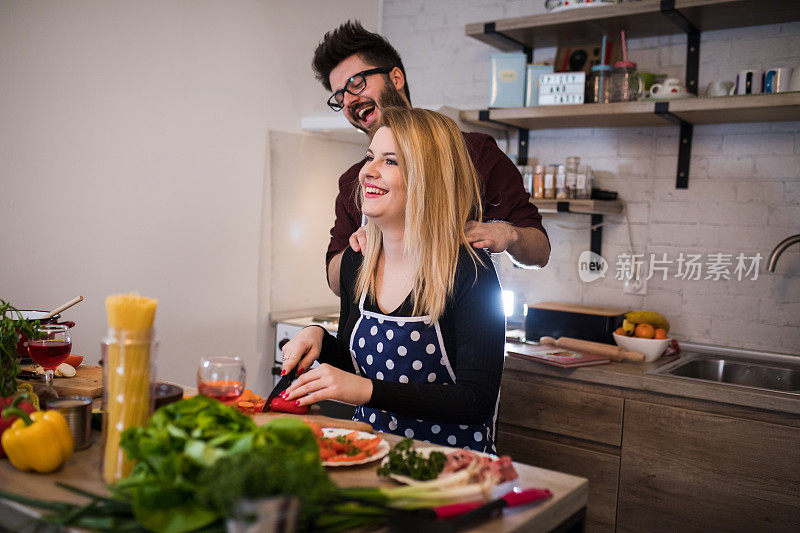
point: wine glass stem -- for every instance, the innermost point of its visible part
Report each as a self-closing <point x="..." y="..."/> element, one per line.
<point x="48" y="379"/>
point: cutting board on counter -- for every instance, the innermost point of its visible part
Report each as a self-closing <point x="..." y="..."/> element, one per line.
<point x="88" y="381"/>
<point x="314" y="416"/>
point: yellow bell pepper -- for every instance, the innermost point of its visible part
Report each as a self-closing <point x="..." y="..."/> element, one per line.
<point x="40" y="442"/>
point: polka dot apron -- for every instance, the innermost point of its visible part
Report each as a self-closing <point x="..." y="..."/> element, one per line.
<point x="410" y="350"/>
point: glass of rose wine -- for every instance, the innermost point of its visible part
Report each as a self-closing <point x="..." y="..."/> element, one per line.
<point x="221" y="377"/>
<point x="51" y="348"/>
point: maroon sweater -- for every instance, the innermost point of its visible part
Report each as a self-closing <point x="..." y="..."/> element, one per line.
<point x="504" y="197"/>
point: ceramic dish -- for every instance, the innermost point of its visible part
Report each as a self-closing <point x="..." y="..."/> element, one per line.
<point x="405" y="480"/>
<point x="380" y="451"/>
<point x="652" y="349"/>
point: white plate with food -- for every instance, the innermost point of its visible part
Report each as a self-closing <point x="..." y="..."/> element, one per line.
<point x="378" y="452"/>
<point x="457" y="460"/>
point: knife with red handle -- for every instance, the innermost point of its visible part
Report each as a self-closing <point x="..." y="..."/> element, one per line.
<point x="458" y="516"/>
<point x="469" y="511"/>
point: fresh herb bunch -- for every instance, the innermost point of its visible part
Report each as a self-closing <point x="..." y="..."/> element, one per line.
<point x="404" y="460"/>
<point x="197" y="458"/>
<point x="10" y="329"/>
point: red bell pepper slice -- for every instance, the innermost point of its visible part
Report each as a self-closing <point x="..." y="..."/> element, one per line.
<point x="280" y="405"/>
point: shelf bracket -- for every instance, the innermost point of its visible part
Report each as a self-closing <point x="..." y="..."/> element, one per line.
<point x="596" y="235"/>
<point x="489" y="29"/>
<point x="523" y="136"/>
<point x="684" y="146"/>
<point x="692" y="43"/>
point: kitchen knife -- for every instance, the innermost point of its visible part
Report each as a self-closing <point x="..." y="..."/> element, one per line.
<point x="458" y="516"/>
<point x="282" y="385"/>
<point x="467" y="513"/>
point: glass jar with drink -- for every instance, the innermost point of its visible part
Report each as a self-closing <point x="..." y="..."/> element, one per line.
<point x="221" y="377"/>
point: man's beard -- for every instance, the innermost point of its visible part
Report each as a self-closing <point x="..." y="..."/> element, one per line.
<point x="389" y="97"/>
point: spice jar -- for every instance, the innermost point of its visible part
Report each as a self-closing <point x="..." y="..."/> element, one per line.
<point x="583" y="184"/>
<point x="538" y="182"/>
<point x="549" y="183"/>
<point x="572" y="175"/>
<point x="561" y="182"/>
<point x="527" y="178"/>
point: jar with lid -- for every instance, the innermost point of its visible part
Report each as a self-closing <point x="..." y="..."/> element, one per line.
<point x="582" y="182"/>
<point x="549" y="183"/>
<point x="572" y="178"/>
<point x="527" y="178"/>
<point x="561" y="182"/>
<point x="626" y="82"/>
<point x="598" y="86"/>
<point x="538" y="182"/>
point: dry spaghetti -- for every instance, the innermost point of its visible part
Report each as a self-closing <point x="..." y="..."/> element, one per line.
<point x="128" y="363"/>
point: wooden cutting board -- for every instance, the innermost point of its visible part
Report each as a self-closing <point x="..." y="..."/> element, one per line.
<point x="88" y="381"/>
<point x="313" y="416"/>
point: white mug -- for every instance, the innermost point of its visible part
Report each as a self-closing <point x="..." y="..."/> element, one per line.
<point x="776" y="80"/>
<point x="794" y="85"/>
<point x="748" y="82"/>
<point x="670" y="86"/>
<point x="720" y="88"/>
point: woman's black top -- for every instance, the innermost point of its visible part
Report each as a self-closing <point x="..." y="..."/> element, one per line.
<point x="473" y="332"/>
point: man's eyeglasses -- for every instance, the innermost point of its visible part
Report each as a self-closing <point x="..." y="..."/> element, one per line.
<point x="354" y="86"/>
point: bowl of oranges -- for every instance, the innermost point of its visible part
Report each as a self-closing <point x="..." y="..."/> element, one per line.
<point x="645" y="332"/>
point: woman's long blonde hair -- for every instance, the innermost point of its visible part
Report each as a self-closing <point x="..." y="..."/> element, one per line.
<point x="442" y="195"/>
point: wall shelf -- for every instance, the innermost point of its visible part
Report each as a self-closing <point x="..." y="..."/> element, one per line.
<point x="646" y="18"/>
<point x="783" y="107"/>
<point x="595" y="208"/>
<point x="579" y="206"/>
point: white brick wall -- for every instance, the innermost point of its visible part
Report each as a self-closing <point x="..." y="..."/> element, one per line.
<point x="744" y="190"/>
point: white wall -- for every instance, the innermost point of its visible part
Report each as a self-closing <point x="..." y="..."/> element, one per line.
<point x="744" y="189"/>
<point x="133" y="156"/>
<point x="304" y="187"/>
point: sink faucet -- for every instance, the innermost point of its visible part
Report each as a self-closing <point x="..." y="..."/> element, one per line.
<point x="776" y="253"/>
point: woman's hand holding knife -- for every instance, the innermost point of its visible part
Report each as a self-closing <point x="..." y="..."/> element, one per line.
<point x="324" y="382"/>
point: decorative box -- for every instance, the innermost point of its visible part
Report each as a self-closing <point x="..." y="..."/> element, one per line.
<point x="508" y="80"/>
<point x="532" y="83"/>
<point x="562" y="88"/>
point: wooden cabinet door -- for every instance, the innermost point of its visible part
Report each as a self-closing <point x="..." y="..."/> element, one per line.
<point x="601" y="469"/>
<point x="573" y="413"/>
<point x="692" y="471"/>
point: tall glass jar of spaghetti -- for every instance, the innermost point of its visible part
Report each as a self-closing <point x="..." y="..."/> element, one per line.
<point x="129" y="351"/>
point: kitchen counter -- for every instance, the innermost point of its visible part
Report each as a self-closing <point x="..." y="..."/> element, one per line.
<point x="633" y="376"/>
<point x="564" y="509"/>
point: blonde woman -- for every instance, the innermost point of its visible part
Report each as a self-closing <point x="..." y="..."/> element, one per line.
<point x="421" y="333"/>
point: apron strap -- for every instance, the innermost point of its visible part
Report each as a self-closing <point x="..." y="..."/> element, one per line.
<point x="361" y="302"/>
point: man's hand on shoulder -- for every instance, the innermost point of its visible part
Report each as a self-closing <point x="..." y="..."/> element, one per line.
<point x="358" y="240"/>
<point x="493" y="236"/>
<point x="526" y="246"/>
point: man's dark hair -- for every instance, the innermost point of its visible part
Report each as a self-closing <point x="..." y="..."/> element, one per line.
<point x="351" y="38"/>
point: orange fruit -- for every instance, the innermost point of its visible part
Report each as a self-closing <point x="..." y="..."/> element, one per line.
<point x="644" y="331"/>
<point x="661" y="334"/>
<point x="620" y="331"/>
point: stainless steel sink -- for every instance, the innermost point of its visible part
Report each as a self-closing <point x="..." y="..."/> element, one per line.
<point x="765" y="375"/>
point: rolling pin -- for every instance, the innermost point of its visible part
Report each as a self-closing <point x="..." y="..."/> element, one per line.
<point x="616" y="353"/>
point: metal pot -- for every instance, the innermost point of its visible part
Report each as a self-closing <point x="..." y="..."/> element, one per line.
<point x="28" y="314"/>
